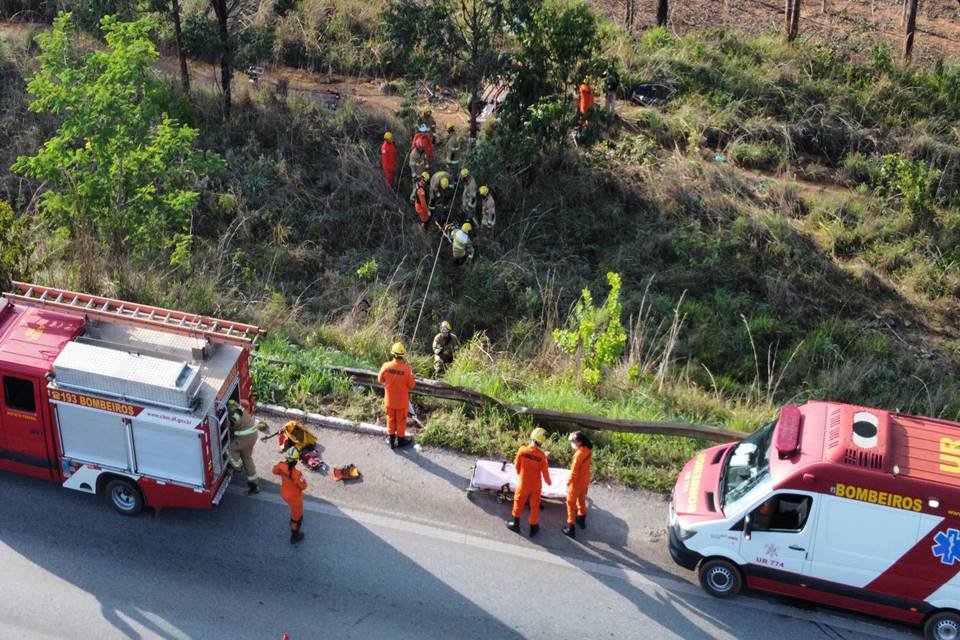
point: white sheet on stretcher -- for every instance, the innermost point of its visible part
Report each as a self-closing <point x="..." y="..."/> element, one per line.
<point x="489" y="475"/>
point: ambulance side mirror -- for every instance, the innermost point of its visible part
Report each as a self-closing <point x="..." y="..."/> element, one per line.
<point x="747" y="521"/>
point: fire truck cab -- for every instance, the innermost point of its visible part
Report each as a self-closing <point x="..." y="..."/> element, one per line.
<point x="118" y="399"/>
<point x="842" y="505"/>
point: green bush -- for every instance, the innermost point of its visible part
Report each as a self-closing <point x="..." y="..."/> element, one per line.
<point x="762" y="155"/>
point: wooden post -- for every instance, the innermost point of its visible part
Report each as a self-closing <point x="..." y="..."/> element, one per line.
<point x="662" y="13"/>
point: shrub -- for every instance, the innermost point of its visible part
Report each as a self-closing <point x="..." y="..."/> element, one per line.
<point x="762" y="155"/>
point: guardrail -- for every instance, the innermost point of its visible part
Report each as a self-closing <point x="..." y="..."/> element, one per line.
<point x="544" y="417"/>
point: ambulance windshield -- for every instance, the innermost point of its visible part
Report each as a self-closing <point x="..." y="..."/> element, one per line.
<point x="747" y="465"/>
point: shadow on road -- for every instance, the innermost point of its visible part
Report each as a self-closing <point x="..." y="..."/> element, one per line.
<point x="226" y="573"/>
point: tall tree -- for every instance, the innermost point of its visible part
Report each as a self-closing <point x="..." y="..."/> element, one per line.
<point x="118" y="167"/>
<point x="792" y="19"/>
<point x="662" y="8"/>
<point x="178" y="34"/>
<point x="223" y="9"/>
<point x="910" y="30"/>
<point x="630" y="14"/>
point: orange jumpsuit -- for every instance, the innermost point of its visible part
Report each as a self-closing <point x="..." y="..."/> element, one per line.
<point x="586" y="98"/>
<point x="388" y="158"/>
<point x="531" y="464"/>
<point x="578" y="483"/>
<point x="397" y="379"/>
<point x="422" y="207"/>
<point x="292" y="485"/>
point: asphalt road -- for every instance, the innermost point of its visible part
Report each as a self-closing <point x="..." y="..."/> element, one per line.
<point x="400" y="554"/>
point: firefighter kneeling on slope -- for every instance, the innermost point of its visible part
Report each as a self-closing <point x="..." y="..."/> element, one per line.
<point x="243" y="437"/>
<point x="460" y="239"/>
<point x="444" y="344"/>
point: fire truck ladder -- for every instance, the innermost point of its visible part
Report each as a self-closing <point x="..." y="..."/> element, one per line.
<point x="118" y="311"/>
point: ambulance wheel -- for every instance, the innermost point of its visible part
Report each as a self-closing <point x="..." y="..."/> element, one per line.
<point x="944" y="625"/>
<point x="720" y="578"/>
<point x="124" y="496"/>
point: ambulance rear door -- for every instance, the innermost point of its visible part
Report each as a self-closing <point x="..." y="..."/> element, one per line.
<point x="778" y="535"/>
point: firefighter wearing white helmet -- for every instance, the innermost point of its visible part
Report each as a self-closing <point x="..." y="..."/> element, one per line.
<point x="488" y="208"/>
<point x="463" y="249"/>
<point x="243" y="438"/>
<point x="444" y="344"/>
<point x="531" y="465"/>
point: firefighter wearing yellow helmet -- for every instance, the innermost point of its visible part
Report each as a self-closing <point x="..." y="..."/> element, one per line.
<point x="531" y="465"/>
<point x="468" y="201"/>
<point x="444" y="344"/>
<point x="462" y="246"/>
<point x="397" y="379"/>
<point x="488" y="208"/>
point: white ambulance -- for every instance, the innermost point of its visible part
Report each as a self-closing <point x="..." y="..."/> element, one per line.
<point x="842" y="505"/>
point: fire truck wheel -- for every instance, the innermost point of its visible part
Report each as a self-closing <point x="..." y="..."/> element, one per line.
<point x="720" y="578"/>
<point x="124" y="496"/>
<point x="944" y="625"/>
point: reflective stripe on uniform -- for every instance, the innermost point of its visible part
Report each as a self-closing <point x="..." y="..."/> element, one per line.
<point x="245" y="432"/>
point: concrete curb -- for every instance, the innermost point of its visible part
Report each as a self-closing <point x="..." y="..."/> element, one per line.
<point x="329" y="422"/>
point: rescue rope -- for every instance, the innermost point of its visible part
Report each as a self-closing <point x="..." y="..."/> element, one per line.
<point x="436" y="258"/>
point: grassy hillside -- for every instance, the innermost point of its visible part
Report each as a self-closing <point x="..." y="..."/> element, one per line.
<point x="784" y="226"/>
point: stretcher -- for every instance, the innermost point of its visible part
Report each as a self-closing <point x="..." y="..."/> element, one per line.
<point x="500" y="479"/>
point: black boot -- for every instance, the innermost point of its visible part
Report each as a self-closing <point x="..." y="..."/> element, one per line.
<point x="296" y="536"/>
<point x="404" y="442"/>
<point x="253" y="487"/>
<point x="570" y="531"/>
<point x="534" y="528"/>
<point x="514" y="525"/>
<point x="582" y="521"/>
<point x="393" y="442"/>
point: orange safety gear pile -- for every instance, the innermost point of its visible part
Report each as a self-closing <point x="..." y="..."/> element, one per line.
<point x="531" y="465"/>
<point x="397" y="379"/>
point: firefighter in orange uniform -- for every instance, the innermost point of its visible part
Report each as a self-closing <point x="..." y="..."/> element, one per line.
<point x="397" y="379"/>
<point x="578" y="483"/>
<point x="586" y="101"/>
<point x="531" y="464"/>
<point x="388" y="158"/>
<point x="292" y="486"/>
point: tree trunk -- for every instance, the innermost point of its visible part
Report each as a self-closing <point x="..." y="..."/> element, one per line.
<point x="662" y="13"/>
<point x="628" y="17"/>
<point x="792" y="19"/>
<point x="823" y="6"/>
<point x="911" y="28"/>
<point x="178" y="33"/>
<point x="474" y="107"/>
<point x="226" y="53"/>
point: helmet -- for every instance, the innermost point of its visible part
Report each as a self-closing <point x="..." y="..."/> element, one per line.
<point x="539" y="435"/>
<point x="484" y="190"/>
<point x="398" y="349"/>
<point x="450" y="127"/>
<point x="464" y="172"/>
<point x="444" y="183"/>
<point x="445" y="326"/>
<point x="388" y="136"/>
<point x="427" y="111"/>
<point x="422" y="128"/>
<point x="291" y="454"/>
<point x="467" y="227"/>
<point x="425" y="175"/>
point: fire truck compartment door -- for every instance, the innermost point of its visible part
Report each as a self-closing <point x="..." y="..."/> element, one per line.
<point x="94" y="436"/>
<point x="171" y="453"/>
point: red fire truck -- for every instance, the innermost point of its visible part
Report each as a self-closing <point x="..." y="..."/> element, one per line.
<point x="119" y="399"/>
